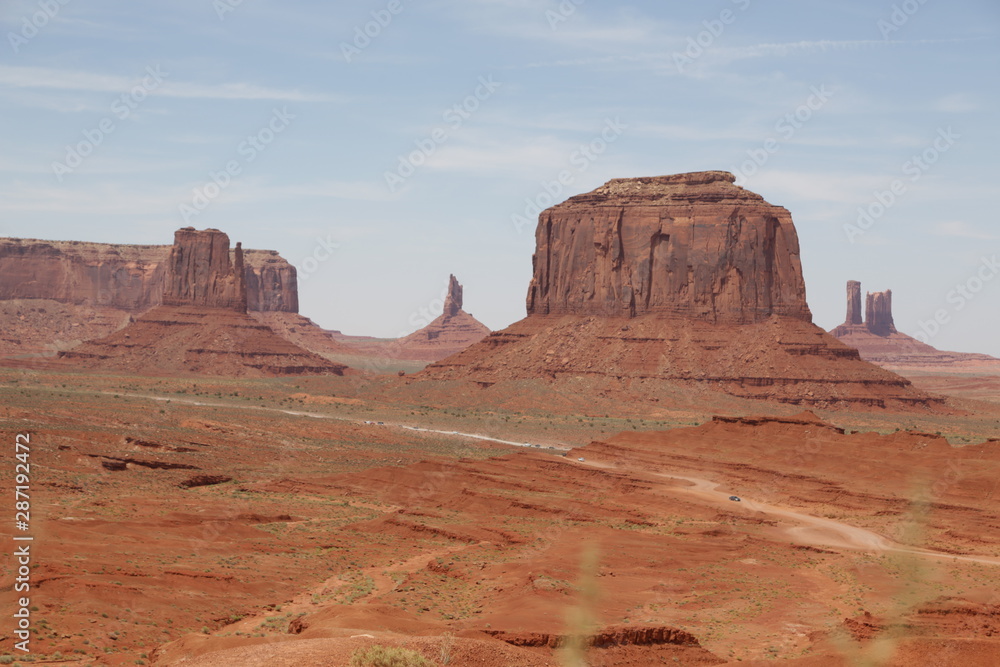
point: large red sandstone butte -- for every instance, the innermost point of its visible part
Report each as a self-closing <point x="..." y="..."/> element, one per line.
<point x="202" y="327"/>
<point x="649" y="285"/>
<point x="694" y="245"/>
<point x="878" y="341"/>
<point x="56" y="294"/>
<point x="200" y="271"/>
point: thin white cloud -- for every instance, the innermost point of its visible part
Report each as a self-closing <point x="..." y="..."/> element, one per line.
<point x="665" y="63"/>
<point x="957" y="103"/>
<point x="962" y="229"/>
<point x="22" y="77"/>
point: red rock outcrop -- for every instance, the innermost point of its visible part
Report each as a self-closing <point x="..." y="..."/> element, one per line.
<point x="449" y="333"/>
<point x="853" y="303"/>
<point x="127" y="277"/>
<point x="878" y="341"/>
<point x="694" y="245"/>
<point x="202" y="327"/>
<point x="453" y="301"/>
<point x="201" y="273"/>
<point x="648" y="288"/>
<point x="195" y="340"/>
<point x="878" y="313"/>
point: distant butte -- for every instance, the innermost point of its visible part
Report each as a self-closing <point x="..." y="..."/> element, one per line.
<point x="647" y="287"/>
<point x="451" y="332"/>
<point x="202" y="327"/>
<point x="878" y="341"/>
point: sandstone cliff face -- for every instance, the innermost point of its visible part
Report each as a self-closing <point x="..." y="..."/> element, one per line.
<point x="201" y="273"/>
<point x="272" y="283"/>
<point x="453" y="302"/>
<point x="853" y="303"/>
<point x="694" y="245"/>
<point x="878" y="313"/>
<point x="127" y="277"/>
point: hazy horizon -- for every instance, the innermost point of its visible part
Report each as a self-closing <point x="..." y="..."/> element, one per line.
<point x="419" y="139"/>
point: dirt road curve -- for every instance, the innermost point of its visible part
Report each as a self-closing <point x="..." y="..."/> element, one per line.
<point x="811" y="530"/>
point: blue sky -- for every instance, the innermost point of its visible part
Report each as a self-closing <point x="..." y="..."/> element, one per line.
<point x="279" y="122"/>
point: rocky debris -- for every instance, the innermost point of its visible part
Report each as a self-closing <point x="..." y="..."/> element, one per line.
<point x="878" y="341"/>
<point x="191" y="340"/>
<point x="694" y="245"/>
<point x="204" y="480"/>
<point x="614" y="636"/>
<point x="648" y="288"/>
<point x="200" y="271"/>
<point x="126" y="277"/>
<point x="121" y="463"/>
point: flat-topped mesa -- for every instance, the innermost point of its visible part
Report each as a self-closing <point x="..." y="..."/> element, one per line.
<point x="693" y="245"/>
<point x="126" y="277"/>
<point x="453" y="302"/>
<point x="200" y="271"/>
<point x="878" y="313"/>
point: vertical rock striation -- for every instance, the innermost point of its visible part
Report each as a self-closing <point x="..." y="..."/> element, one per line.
<point x="878" y="313"/>
<point x="453" y="301"/>
<point x="694" y="245"/>
<point x="201" y="273"/>
<point x="853" y="303"/>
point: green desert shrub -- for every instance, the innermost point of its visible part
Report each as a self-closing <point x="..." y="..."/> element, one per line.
<point x="386" y="656"/>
